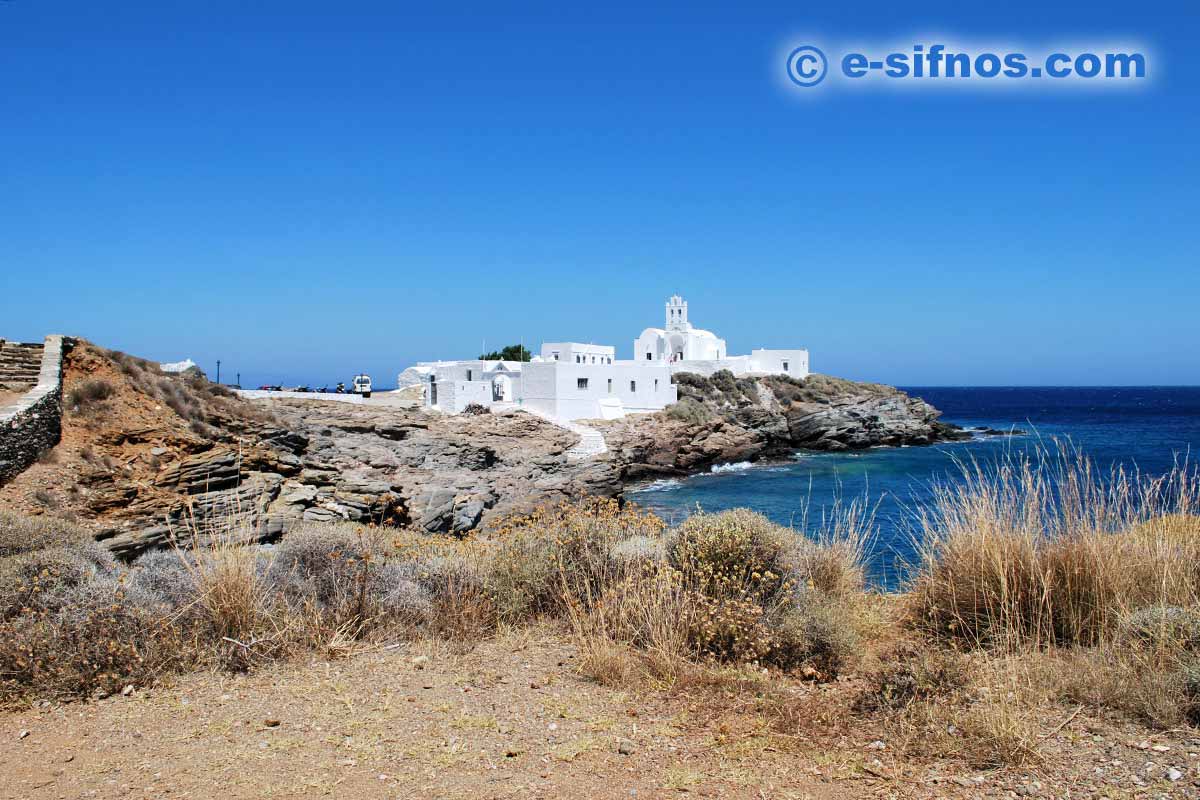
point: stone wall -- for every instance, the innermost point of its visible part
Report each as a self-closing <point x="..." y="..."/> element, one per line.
<point x="33" y="423"/>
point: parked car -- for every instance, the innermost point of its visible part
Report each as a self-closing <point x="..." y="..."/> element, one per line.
<point x="362" y="385"/>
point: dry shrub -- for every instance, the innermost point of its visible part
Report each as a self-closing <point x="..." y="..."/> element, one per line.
<point x="1090" y="582"/>
<point x="737" y="555"/>
<point x="21" y="534"/>
<point x="1000" y="730"/>
<point x="98" y="640"/>
<point x="41" y="581"/>
<point x="730" y="587"/>
<point x="640" y="627"/>
<point x="913" y="672"/>
<point x="89" y="396"/>
<point x="773" y="595"/>
<point x="340" y="575"/>
<point x="461" y="607"/>
<point x="935" y="702"/>
<point x="1039" y="550"/>
<point x="540" y="562"/>
<point x="1159" y="686"/>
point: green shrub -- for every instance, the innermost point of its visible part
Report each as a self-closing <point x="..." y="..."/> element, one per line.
<point x="542" y="562"/>
<point x="1164" y="626"/>
<point x="689" y="411"/>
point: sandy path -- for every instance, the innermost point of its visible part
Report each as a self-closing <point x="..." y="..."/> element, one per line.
<point x="503" y="721"/>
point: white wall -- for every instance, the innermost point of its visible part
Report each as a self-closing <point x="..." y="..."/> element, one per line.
<point x="659" y="345"/>
<point x="760" y="362"/>
<point x="738" y="365"/>
<point x="575" y="352"/>
<point x="773" y="362"/>
<point x="263" y="394"/>
<point x="461" y="383"/>
<point x="554" y="388"/>
<point x="651" y="343"/>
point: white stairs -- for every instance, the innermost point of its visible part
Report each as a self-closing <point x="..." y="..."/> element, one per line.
<point x="591" y="441"/>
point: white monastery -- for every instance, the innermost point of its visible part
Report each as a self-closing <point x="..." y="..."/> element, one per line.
<point x="569" y="381"/>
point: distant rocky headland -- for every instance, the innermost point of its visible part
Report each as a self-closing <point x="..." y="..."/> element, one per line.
<point x="147" y="457"/>
<point x="723" y="419"/>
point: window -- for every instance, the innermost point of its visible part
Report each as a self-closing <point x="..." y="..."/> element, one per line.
<point x="610" y="385"/>
<point x="578" y="359"/>
<point x="469" y="374"/>
<point x="785" y="366"/>
<point x="581" y="383"/>
<point x="656" y="384"/>
<point x="633" y="386"/>
<point x="649" y="357"/>
<point x="556" y="356"/>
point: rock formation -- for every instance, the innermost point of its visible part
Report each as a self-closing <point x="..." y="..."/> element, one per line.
<point x="160" y="457"/>
<point x="723" y="419"/>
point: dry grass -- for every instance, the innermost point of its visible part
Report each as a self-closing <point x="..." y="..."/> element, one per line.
<point x="1043" y="589"/>
<point x="1085" y="587"/>
<point x="89" y="396"/>
<point x="723" y="588"/>
<point x="1039" y="551"/>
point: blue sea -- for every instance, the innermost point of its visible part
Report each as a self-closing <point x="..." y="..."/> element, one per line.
<point x="1146" y="428"/>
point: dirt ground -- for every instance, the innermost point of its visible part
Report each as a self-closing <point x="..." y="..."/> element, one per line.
<point x="512" y="718"/>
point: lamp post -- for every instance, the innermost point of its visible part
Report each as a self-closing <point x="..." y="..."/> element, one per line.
<point x="218" y="370"/>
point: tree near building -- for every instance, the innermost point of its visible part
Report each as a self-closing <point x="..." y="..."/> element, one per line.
<point x="514" y="352"/>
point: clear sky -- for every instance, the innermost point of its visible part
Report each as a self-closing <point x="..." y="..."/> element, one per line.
<point x="305" y="190"/>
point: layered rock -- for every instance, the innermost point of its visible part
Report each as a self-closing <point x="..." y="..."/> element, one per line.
<point x="723" y="419"/>
<point x="329" y="462"/>
<point x="171" y="459"/>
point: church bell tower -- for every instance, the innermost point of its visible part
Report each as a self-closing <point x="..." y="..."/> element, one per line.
<point x="677" y="319"/>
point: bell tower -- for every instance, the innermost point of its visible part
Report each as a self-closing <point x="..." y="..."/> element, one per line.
<point x="677" y="319"/>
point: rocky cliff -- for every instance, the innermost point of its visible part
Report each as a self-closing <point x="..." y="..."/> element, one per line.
<point x="722" y="419"/>
<point x="148" y="457"/>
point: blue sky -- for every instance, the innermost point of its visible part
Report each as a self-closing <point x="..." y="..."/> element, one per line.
<point x="305" y="190"/>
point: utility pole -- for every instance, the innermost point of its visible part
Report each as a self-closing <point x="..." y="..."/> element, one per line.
<point x="218" y="370"/>
<point x="239" y="378"/>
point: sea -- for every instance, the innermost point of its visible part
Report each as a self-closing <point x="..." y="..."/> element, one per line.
<point x="1149" y="429"/>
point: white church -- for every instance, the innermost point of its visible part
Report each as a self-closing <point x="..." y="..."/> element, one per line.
<point x="569" y="380"/>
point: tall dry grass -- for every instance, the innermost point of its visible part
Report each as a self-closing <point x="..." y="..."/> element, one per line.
<point x="1040" y="549"/>
<point x="1085" y="583"/>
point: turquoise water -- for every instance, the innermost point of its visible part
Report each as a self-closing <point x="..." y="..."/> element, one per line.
<point x="1146" y="428"/>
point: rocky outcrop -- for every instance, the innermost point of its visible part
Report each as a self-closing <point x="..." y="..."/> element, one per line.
<point x="174" y="458"/>
<point x="328" y="462"/>
<point x="723" y="419"/>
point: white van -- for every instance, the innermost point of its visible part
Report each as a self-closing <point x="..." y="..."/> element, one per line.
<point x="362" y="385"/>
